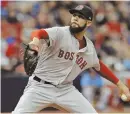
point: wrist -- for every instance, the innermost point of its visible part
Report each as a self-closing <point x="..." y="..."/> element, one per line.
<point x="119" y="83"/>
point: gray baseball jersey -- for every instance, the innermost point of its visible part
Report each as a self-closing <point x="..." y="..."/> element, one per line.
<point x="59" y="63"/>
<point x="62" y="61"/>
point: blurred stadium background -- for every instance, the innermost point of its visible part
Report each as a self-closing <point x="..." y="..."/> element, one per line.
<point x="110" y="34"/>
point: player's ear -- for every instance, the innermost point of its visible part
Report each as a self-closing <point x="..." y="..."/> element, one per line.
<point x="89" y="23"/>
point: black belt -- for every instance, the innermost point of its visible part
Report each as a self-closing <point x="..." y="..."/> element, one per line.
<point x="39" y="80"/>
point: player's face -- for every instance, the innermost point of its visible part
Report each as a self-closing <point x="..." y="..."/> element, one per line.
<point x="78" y="23"/>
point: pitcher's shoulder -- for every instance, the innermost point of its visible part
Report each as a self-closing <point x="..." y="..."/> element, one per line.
<point x="58" y="29"/>
<point x="62" y="31"/>
<point x="63" y="28"/>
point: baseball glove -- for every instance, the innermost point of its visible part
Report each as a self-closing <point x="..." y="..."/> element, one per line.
<point x="30" y="60"/>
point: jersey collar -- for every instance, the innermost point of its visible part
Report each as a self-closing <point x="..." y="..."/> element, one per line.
<point x="85" y="48"/>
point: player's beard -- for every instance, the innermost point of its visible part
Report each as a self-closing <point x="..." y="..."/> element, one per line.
<point x="77" y="29"/>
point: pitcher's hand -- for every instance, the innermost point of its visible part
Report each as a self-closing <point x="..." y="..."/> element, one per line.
<point x="124" y="90"/>
<point x="34" y="45"/>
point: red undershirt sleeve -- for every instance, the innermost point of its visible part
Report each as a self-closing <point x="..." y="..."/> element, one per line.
<point x="107" y="73"/>
<point x="40" y="34"/>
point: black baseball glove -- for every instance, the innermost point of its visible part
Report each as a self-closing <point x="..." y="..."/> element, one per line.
<point x="30" y="60"/>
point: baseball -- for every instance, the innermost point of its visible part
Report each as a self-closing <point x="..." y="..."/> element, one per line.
<point x="123" y="97"/>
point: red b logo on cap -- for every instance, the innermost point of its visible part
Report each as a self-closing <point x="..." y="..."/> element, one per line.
<point x="80" y="7"/>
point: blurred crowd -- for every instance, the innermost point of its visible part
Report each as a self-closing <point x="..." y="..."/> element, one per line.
<point x="110" y="31"/>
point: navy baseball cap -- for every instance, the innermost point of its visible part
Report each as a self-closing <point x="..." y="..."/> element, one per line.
<point x="84" y="10"/>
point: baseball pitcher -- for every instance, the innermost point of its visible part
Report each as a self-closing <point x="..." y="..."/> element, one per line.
<point x="54" y="58"/>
